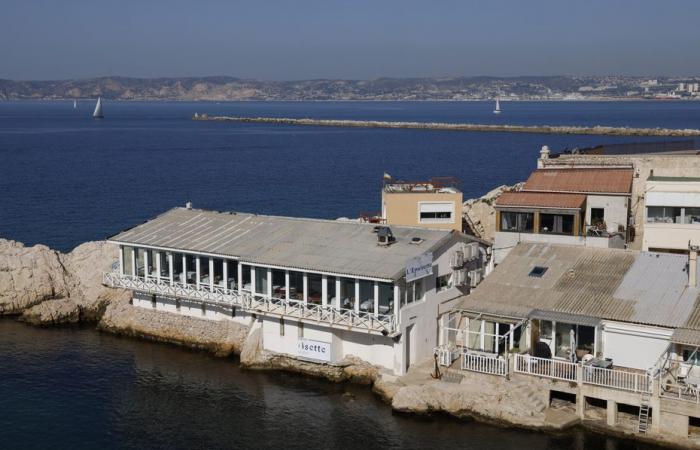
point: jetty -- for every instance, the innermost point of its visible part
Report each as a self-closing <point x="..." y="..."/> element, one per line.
<point x="497" y="128"/>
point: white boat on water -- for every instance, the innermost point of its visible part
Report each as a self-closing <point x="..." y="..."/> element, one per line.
<point x="98" y="109"/>
<point x="498" y="108"/>
<point x="75" y="104"/>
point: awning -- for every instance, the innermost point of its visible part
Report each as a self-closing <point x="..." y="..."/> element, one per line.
<point x="524" y="199"/>
<point x="564" y="317"/>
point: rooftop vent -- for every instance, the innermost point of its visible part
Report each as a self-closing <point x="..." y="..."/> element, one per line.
<point x="537" y="271"/>
<point x="416" y="240"/>
<point x="188" y="205"/>
<point x="385" y="236"/>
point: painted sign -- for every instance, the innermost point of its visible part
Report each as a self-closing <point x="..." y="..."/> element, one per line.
<point x="317" y="350"/>
<point x="419" y="267"/>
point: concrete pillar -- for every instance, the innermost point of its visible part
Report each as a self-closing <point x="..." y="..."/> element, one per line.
<point x="376" y="298"/>
<point x="224" y="264"/>
<point x="239" y="274"/>
<point x="211" y="273"/>
<point x="197" y="270"/>
<point x="612" y="413"/>
<point x="133" y="262"/>
<point x="324" y="290"/>
<point x="253" y="287"/>
<point x="338" y="296"/>
<point x="184" y="269"/>
<point x="580" y="399"/>
<point x="171" y="268"/>
<point x="306" y="288"/>
<point x="397" y="301"/>
<point x="511" y="338"/>
<point x="269" y="283"/>
<point x="357" y="296"/>
<point x="121" y="260"/>
<point x="482" y="337"/>
<point x="286" y="285"/>
<point x="158" y="266"/>
<point x="145" y="265"/>
<point x="655" y="405"/>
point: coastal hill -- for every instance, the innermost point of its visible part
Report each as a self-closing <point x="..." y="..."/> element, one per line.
<point x="224" y="88"/>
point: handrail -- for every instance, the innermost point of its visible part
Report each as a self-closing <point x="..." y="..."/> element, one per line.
<point x="493" y="365"/>
<point x="618" y="379"/>
<point x="543" y="367"/>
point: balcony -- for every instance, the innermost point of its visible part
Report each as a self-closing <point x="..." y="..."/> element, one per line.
<point x="384" y="324"/>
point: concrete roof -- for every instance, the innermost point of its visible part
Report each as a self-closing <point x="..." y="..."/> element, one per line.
<point x="540" y="200"/>
<point x="611" y="181"/>
<point x="610" y="284"/>
<point x="341" y="247"/>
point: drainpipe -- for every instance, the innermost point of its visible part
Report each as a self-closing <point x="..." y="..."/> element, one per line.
<point x="692" y="265"/>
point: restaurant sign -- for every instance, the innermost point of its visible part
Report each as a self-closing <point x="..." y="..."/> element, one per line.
<point x="317" y="350"/>
<point x="419" y="267"/>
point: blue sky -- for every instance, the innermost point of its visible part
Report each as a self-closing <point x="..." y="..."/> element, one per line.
<point x="356" y="39"/>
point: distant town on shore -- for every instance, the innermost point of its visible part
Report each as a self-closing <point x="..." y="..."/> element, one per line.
<point x="223" y="88"/>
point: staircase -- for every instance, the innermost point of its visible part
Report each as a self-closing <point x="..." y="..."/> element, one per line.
<point x="476" y="229"/>
<point x="644" y="414"/>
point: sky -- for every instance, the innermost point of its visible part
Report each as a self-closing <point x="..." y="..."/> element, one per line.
<point x="351" y="39"/>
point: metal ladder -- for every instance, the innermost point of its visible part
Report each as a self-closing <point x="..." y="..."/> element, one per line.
<point x="644" y="414"/>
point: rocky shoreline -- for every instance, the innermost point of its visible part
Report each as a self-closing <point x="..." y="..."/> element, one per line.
<point x="43" y="287"/>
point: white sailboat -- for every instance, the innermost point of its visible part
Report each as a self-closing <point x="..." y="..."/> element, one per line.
<point x="498" y="108"/>
<point x="75" y="104"/>
<point x="98" y="109"/>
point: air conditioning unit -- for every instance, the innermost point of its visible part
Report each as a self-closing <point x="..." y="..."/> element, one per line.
<point x="457" y="259"/>
<point x="459" y="277"/>
<point x="474" y="277"/>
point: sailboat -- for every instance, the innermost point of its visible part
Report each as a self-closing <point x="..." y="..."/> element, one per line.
<point x="498" y="108"/>
<point x="98" y="109"/>
<point x="75" y="104"/>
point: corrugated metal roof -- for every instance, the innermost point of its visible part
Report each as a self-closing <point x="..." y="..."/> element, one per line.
<point x="541" y="200"/>
<point x="627" y="286"/>
<point x="580" y="180"/>
<point x="342" y="247"/>
<point x="686" y="336"/>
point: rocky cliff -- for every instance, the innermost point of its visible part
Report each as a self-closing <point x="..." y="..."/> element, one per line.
<point x="480" y="213"/>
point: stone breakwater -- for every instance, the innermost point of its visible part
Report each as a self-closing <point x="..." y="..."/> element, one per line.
<point x="540" y="129"/>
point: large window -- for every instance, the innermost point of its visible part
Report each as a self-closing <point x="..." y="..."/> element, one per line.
<point x="691" y="215"/>
<point x="663" y="214"/>
<point x="517" y="221"/>
<point x="557" y="223"/>
<point x="436" y="212"/>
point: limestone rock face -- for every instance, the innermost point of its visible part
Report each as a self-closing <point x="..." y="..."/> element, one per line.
<point x="48" y="287"/>
<point x="29" y="276"/>
<point x="480" y="213"/>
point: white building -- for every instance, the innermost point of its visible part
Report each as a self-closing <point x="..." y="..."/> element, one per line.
<point x="319" y="290"/>
<point x="672" y="213"/>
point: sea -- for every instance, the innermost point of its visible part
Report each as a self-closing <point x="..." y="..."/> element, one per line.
<point x="66" y="178"/>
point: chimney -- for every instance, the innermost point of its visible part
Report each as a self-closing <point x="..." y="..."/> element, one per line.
<point x="693" y="265"/>
<point x="544" y="155"/>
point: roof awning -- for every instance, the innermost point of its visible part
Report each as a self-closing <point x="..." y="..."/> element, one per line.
<point x="523" y="199"/>
<point x="564" y="317"/>
<point x="686" y="336"/>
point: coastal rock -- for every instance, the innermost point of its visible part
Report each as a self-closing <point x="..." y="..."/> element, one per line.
<point x="58" y="311"/>
<point x="480" y="214"/>
<point x="223" y="337"/>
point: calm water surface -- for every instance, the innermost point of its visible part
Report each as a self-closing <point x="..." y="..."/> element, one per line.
<point x="79" y="389"/>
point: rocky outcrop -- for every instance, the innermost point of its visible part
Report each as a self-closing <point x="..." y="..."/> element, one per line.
<point x="480" y="214"/>
<point x="48" y="287"/>
<point x="222" y="337"/>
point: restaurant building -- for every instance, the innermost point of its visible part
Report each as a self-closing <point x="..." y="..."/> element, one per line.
<point x="319" y="290"/>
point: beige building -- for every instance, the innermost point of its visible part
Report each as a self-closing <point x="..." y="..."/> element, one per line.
<point x="672" y="213"/>
<point x="436" y="203"/>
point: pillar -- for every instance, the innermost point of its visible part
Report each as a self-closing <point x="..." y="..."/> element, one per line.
<point x="211" y="273"/>
<point x="121" y="260"/>
<point x="357" y="296"/>
<point x="133" y="262"/>
<point x="324" y="290"/>
<point x="397" y="301"/>
<point x="239" y="274"/>
<point x="611" y="413"/>
<point x="536" y="222"/>
<point x="511" y="338"/>
<point x="197" y="272"/>
<point x="252" y="281"/>
<point x="482" y="337"/>
<point x="580" y="399"/>
<point x="158" y="267"/>
<point x="286" y="285"/>
<point x="184" y="269"/>
<point x="269" y="283"/>
<point x="145" y="265"/>
<point x="306" y="288"/>
<point x="224" y="263"/>
<point x="338" y="294"/>
<point x="171" y="268"/>
<point x="376" y="298"/>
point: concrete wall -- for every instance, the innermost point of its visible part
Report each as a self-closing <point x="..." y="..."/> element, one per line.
<point x="619" y="338"/>
<point x="615" y="210"/>
<point x="670" y="236"/>
<point x="193" y="309"/>
<point x="402" y="209"/>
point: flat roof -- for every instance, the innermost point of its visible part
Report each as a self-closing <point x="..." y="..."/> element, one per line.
<point x="609" y="284"/>
<point x="526" y="199"/>
<point x="609" y="181"/>
<point x="331" y="246"/>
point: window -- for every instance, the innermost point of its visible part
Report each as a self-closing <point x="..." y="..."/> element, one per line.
<point x="436" y="212"/>
<point x="443" y="283"/>
<point x="537" y="271"/>
<point x="556" y="223"/>
<point x="691" y="216"/>
<point x="663" y="214"/>
<point x="597" y="216"/>
<point x="517" y="221"/>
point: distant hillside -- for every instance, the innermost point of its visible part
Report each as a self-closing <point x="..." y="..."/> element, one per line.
<point x="230" y="88"/>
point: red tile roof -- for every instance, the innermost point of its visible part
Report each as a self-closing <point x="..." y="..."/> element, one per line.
<point x="613" y="181"/>
<point x="540" y="200"/>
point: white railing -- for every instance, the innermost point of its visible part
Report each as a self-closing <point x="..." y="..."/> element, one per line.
<point x="447" y="354"/>
<point x="381" y="323"/>
<point x="683" y="392"/>
<point x="618" y="379"/>
<point x="491" y="364"/>
<point x="547" y="368"/>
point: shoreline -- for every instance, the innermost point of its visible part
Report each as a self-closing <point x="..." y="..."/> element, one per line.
<point x="464" y="127"/>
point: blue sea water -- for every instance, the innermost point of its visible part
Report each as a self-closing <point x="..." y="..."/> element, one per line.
<point x="66" y="178"/>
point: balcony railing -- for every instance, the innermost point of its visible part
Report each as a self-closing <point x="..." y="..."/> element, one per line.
<point x="380" y="323"/>
<point x="547" y="368"/>
<point x="618" y="379"/>
<point x="491" y="364"/>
